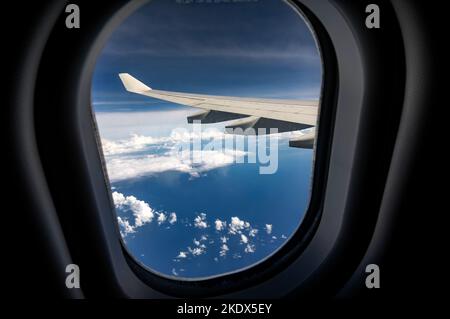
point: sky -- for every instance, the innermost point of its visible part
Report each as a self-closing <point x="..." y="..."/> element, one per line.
<point x="181" y="218"/>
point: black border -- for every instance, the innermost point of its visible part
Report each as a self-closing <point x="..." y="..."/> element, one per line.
<point x="51" y="121"/>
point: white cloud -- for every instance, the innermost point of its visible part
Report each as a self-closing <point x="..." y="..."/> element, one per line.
<point x="185" y="136"/>
<point x="220" y="225"/>
<point x="200" y="221"/>
<point x="237" y="225"/>
<point x="172" y="218"/>
<point x="122" y="168"/>
<point x="138" y="142"/>
<point x="253" y="232"/>
<point x="127" y="168"/>
<point x="197" y="251"/>
<point x="249" y="249"/>
<point x="123" y="162"/>
<point x="125" y="225"/>
<point x="161" y="218"/>
<point x="133" y="144"/>
<point x="142" y="212"/>
<point x="182" y="254"/>
<point x="223" y="250"/>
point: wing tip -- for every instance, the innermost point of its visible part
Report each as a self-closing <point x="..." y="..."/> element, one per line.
<point x="132" y="84"/>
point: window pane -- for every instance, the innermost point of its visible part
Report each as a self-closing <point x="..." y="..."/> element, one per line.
<point x="201" y="199"/>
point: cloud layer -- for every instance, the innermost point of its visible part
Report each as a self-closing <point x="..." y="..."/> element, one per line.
<point x="129" y="158"/>
<point x="216" y="239"/>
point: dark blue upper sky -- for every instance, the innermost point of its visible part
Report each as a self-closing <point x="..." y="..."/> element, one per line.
<point x="258" y="48"/>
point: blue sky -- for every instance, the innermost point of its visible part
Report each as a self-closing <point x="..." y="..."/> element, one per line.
<point x="186" y="220"/>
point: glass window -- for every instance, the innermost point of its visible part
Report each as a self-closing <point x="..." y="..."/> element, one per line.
<point x="208" y="132"/>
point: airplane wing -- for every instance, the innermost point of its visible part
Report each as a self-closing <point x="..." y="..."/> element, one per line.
<point x="255" y="113"/>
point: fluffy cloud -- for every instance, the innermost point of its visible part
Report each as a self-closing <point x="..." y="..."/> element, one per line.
<point x="268" y="229"/>
<point x="142" y="212"/>
<point x="133" y="144"/>
<point x="200" y="221"/>
<point x="253" y="232"/>
<point x="140" y="142"/>
<point x="172" y="218"/>
<point x="125" y="226"/>
<point x="127" y="168"/>
<point x="193" y="163"/>
<point x="220" y="225"/>
<point x="237" y="225"/>
<point x="182" y="254"/>
<point x="161" y="218"/>
<point x="249" y="249"/>
<point x="185" y="136"/>
<point x="223" y="250"/>
<point x="197" y="251"/>
<point x="199" y="248"/>
<point x="124" y="161"/>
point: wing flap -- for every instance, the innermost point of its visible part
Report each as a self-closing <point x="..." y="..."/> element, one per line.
<point x="306" y="140"/>
<point x="210" y="116"/>
<point x="260" y="126"/>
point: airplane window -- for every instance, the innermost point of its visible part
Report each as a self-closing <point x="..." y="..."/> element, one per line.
<point x="206" y="113"/>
